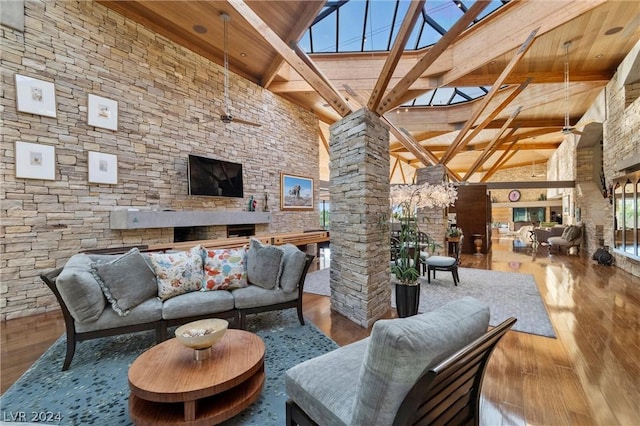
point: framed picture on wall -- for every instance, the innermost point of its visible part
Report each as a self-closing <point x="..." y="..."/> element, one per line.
<point x="35" y="161"/>
<point x="102" y="112"/>
<point x="35" y="96"/>
<point x="296" y="192"/>
<point x="103" y="168"/>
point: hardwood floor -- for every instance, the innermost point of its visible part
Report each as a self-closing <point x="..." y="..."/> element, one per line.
<point x="589" y="375"/>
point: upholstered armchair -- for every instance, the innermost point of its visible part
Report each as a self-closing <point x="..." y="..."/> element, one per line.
<point x="399" y="371"/>
<point x="571" y="237"/>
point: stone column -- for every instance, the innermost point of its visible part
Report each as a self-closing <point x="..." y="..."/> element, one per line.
<point x="433" y="221"/>
<point x="359" y="190"/>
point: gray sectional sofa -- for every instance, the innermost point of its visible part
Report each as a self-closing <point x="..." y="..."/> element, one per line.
<point x="105" y="295"/>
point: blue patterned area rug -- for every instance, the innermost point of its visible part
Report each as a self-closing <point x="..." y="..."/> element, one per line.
<point x="95" y="390"/>
<point x="508" y="294"/>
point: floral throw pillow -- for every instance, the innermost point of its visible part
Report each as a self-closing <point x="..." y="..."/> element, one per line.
<point x="224" y="269"/>
<point x="178" y="273"/>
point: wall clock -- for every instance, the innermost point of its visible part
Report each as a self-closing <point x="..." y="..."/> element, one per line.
<point x="514" y="195"/>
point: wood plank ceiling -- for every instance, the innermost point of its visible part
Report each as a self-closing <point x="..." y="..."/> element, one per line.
<point x="518" y="50"/>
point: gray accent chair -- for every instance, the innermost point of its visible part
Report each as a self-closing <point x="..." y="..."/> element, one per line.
<point x="445" y="263"/>
<point x="385" y="378"/>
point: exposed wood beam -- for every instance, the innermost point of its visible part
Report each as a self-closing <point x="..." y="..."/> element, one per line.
<point x="411" y="144"/>
<point x="395" y="95"/>
<point x="602" y="76"/>
<point x="414" y="11"/>
<point x="515" y="19"/>
<point x="311" y="10"/>
<point x="316" y="81"/>
<point x="506" y="156"/>
<point x="495" y="113"/>
<point x="393" y="168"/>
<point x="523" y="123"/>
<point x="456" y="145"/>
<point x="484" y="156"/>
<point x="323" y="138"/>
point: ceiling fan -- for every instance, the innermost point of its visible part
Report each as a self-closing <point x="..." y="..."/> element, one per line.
<point x="567" y="129"/>
<point x="225" y="115"/>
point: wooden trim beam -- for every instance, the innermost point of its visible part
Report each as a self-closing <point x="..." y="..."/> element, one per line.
<point x="414" y="11"/>
<point x="323" y="138"/>
<point x="531" y="184"/>
<point x="316" y="81"/>
<point x="486" y="153"/>
<point x="395" y="95"/>
<point x="456" y="145"/>
<point x="304" y="21"/>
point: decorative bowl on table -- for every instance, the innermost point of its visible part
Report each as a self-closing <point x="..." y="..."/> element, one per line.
<point x="202" y="335"/>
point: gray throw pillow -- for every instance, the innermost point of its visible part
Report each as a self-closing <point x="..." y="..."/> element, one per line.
<point x="126" y="281"/>
<point x="264" y="264"/>
<point x="293" y="261"/>
<point x="80" y="291"/>
<point x="571" y="233"/>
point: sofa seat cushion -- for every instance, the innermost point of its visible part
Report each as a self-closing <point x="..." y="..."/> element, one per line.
<point x="79" y="289"/>
<point x="324" y="386"/>
<point x="126" y="281"/>
<point x="441" y="261"/>
<point x="401" y="349"/>
<point x="197" y="303"/>
<point x="559" y="242"/>
<point x="148" y="311"/>
<point x="253" y="296"/>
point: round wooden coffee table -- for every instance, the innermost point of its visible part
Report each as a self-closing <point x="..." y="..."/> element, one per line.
<point x="169" y="387"/>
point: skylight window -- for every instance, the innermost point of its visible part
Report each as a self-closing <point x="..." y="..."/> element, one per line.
<point x="372" y="26"/>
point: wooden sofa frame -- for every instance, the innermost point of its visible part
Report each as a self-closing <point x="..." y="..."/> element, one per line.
<point x="237" y="317"/>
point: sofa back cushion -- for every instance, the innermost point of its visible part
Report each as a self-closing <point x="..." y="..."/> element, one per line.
<point x="293" y="263"/>
<point x="79" y="289"/>
<point x="225" y="269"/>
<point x="264" y="264"/>
<point x="571" y="232"/>
<point x="126" y="281"/>
<point x="401" y="349"/>
<point x="178" y="273"/>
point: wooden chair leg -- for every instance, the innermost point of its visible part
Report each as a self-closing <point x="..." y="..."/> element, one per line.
<point x="71" y="350"/>
<point x="300" y="317"/>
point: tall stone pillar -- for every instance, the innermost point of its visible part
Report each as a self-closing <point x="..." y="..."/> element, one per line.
<point x="433" y="221"/>
<point x="359" y="190"/>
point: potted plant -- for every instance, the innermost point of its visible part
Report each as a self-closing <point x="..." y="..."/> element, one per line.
<point x="406" y="200"/>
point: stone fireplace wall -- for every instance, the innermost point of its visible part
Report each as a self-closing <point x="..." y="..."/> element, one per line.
<point x="166" y="97"/>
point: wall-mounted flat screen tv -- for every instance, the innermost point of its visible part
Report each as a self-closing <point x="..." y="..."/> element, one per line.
<point x="216" y="178"/>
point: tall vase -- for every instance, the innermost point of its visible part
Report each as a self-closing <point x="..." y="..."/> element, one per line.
<point x="407" y="299"/>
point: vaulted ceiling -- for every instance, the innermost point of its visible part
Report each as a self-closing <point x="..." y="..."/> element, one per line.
<point x="518" y="51"/>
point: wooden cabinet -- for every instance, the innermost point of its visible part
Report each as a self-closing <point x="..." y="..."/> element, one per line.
<point x="473" y="216"/>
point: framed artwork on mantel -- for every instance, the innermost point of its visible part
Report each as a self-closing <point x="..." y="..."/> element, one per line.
<point x="35" y="96"/>
<point x="296" y="192"/>
<point x="102" y="112"/>
<point x="103" y="168"/>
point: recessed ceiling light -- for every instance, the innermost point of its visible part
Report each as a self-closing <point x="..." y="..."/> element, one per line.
<point x="243" y="54"/>
<point x="200" y="29"/>
<point x="492" y="63"/>
<point x="599" y="55"/>
<point x="613" y="30"/>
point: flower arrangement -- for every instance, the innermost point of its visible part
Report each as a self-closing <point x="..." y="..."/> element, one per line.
<point x="405" y="202"/>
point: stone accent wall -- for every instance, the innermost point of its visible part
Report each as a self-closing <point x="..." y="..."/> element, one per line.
<point x="167" y="97"/>
<point x="621" y="139"/>
<point x="520" y="174"/>
<point x="621" y="134"/>
<point x="359" y="147"/>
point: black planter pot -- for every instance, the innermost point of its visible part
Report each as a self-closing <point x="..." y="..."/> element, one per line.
<point x="407" y="299"/>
